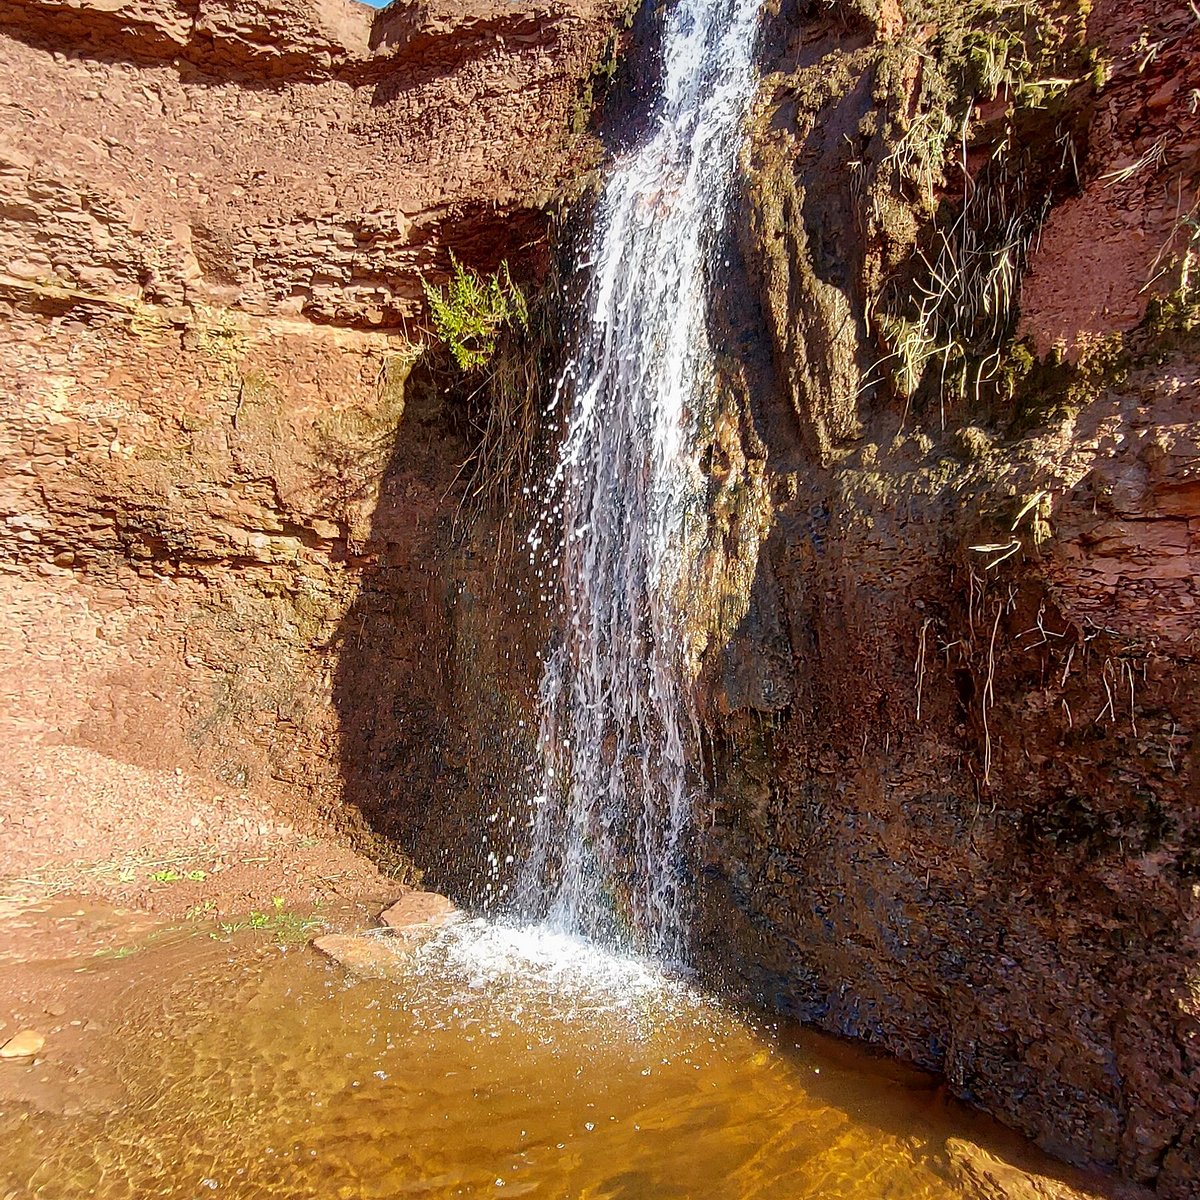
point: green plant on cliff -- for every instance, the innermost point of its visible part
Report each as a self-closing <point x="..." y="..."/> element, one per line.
<point x="1016" y="52"/>
<point x="1179" y="262"/>
<point x="504" y="405"/>
<point x="980" y="135"/>
<point x="470" y="312"/>
<point x="960" y="308"/>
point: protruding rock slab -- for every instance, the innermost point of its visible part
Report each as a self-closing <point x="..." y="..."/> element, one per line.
<point x="25" y="1044"/>
<point x="364" y="955"/>
<point x="418" y="912"/>
<point x="411" y="921"/>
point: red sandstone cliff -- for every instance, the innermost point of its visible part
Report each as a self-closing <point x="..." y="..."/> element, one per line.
<point x="305" y="160"/>
<point x="221" y="549"/>
<point x="214" y="221"/>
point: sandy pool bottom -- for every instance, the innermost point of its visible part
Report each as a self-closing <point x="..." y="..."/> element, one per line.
<point x="503" y="1062"/>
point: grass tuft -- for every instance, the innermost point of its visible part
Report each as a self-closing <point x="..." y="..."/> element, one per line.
<point x="472" y="310"/>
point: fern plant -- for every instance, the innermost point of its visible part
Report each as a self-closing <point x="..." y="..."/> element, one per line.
<point x="471" y="310"/>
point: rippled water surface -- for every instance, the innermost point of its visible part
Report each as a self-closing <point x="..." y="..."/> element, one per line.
<point x="509" y="1061"/>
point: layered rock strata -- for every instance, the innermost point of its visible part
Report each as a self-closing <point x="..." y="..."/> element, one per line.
<point x="215" y="220"/>
<point x="950" y="682"/>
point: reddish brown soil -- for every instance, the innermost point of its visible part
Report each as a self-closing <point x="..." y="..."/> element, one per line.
<point x="1102" y="255"/>
<point x="102" y="817"/>
<point x="76" y="822"/>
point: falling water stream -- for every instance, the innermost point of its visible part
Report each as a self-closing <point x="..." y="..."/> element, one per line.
<point x="552" y="1056"/>
<point x="624" y="510"/>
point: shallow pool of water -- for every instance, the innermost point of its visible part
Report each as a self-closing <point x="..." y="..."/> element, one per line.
<point x="503" y="1063"/>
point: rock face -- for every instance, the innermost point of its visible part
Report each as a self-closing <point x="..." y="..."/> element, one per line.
<point x="951" y="694"/>
<point x="956" y="736"/>
<point x="417" y="911"/>
<point x="214" y="222"/>
<point x="306" y="160"/>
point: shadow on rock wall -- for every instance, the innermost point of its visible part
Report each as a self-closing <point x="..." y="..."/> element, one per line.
<point x="434" y="663"/>
<point x="960" y="823"/>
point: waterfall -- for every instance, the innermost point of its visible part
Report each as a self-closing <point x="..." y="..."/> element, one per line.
<point x="624" y="509"/>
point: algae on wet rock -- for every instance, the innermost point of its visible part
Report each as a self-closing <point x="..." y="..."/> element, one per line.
<point x="814" y="329"/>
<point x="894" y="189"/>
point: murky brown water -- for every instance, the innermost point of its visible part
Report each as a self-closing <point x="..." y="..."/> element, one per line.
<point x="503" y="1064"/>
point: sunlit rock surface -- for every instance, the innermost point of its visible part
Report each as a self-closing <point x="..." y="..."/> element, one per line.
<point x="953" y="804"/>
<point x="214" y="223"/>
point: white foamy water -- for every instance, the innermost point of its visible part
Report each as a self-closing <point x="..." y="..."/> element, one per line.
<point x="625" y="508"/>
<point x="536" y="968"/>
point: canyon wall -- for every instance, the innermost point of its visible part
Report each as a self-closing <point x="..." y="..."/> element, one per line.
<point x="950" y="686"/>
<point x="215" y="220"/>
<point x="956" y="735"/>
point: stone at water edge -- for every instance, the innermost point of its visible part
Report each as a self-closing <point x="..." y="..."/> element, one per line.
<point x="369" y="957"/>
<point x="417" y="911"/>
<point x="25" y="1044"/>
<point x="411" y="920"/>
